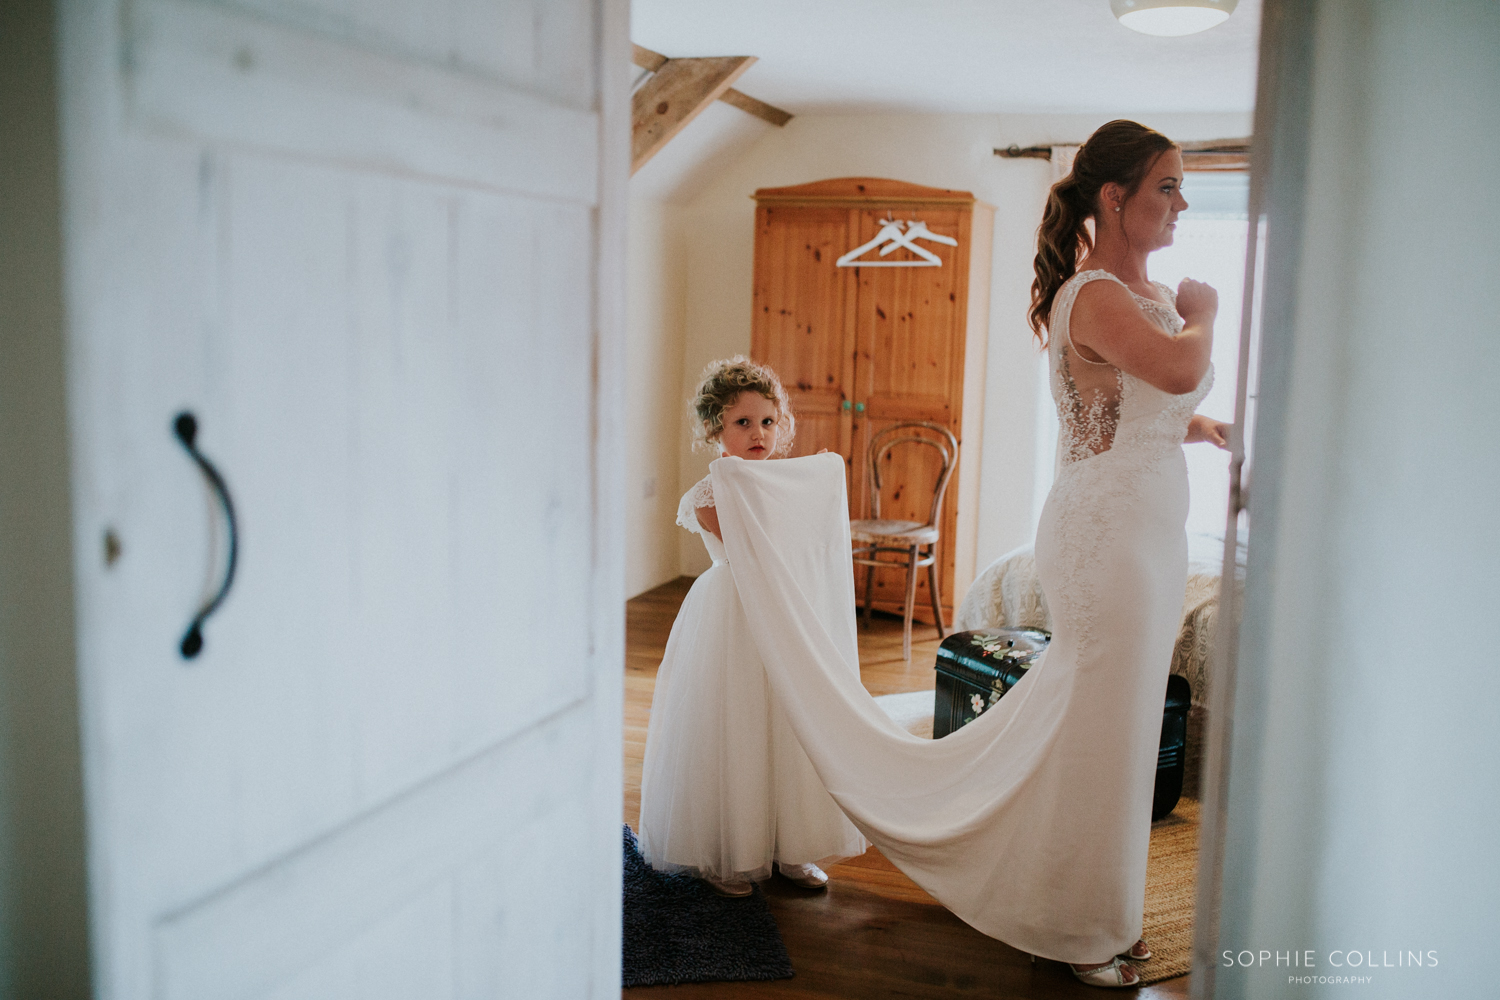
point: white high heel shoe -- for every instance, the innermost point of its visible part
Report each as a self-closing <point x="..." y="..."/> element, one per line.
<point x="1110" y="976"/>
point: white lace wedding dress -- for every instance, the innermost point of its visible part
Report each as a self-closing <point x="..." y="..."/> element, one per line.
<point x="725" y="787"/>
<point x="1031" y="823"/>
<point x="1111" y="555"/>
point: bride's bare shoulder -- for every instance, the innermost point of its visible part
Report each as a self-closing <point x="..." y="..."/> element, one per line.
<point x="1104" y="300"/>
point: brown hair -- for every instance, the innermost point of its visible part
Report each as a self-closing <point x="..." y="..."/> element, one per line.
<point x="1121" y="152"/>
<point x="721" y="384"/>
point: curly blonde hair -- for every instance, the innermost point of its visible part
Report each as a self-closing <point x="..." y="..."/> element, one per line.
<point x="721" y="384"/>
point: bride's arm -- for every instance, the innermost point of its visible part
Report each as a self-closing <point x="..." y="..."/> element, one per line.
<point x="1107" y="322"/>
<point x="1202" y="428"/>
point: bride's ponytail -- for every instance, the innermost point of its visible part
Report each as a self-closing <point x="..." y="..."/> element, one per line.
<point x="1061" y="240"/>
<point x="1119" y="152"/>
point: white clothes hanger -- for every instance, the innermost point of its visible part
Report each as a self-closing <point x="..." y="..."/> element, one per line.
<point x="905" y="240"/>
<point x="917" y="230"/>
<point x="891" y="234"/>
<point x="889" y="230"/>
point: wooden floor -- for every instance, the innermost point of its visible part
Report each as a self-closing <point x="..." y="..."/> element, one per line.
<point x="873" y="934"/>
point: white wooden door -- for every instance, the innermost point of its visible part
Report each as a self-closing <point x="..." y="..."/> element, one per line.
<point x="364" y="243"/>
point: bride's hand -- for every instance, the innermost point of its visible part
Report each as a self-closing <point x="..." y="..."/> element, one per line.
<point x="1197" y="301"/>
<point x="1202" y="428"/>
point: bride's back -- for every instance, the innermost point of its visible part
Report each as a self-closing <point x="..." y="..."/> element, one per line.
<point x="1101" y="408"/>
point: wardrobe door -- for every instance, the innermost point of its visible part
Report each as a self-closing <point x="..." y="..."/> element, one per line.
<point x="803" y="317"/>
<point x="909" y="365"/>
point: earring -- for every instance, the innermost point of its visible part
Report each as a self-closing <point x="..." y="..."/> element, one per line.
<point x="1117" y="208"/>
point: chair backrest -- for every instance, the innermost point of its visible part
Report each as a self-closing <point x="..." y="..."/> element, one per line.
<point x="899" y="434"/>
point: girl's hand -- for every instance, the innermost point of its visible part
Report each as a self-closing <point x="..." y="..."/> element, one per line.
<point x="822" y="451"/>
<point x="1202" y="428"/>
<point x="1197" y="302"/>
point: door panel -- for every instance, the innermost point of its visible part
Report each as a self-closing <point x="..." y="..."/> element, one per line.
<point x="909" y="366"/>
<point x="407" y="418"/>
<point x="447" y="835"/>
<point x="801" y="319"/>
<point x="332" y="87"/>
<point x="536" y="45"/>
<point x="799" y="308"/>
<point x="911" y="346"/>
<point x="373" y="280"/>
<point x="401" y="420"/>
<point x="382" y="963"/>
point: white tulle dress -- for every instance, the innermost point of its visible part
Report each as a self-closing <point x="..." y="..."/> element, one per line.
<point x="725" y="787"/>
<point x="1032" y="822"/>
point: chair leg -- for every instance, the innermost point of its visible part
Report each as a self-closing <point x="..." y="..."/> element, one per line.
<point x="911" y="601"/>
<point x="869" y="590"/>
<point x="932" y="592"/>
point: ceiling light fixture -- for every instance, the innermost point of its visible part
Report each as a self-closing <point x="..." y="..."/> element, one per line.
<point x="1172" y="17"/>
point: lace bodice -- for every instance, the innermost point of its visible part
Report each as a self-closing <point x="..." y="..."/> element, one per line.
<point x="1116" y="433"/>
<point x="701" y="495"/>
<point x="1101" y="408"/>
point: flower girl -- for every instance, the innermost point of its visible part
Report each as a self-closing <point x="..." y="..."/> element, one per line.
<point x="726" y="790"/>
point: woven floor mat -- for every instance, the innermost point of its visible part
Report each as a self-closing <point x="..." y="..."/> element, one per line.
<point x="1171" y="894"/>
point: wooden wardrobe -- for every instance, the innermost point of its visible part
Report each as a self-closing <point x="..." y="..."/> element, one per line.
<point x="860" y="348"/>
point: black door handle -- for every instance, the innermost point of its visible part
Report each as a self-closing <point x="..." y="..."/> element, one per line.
<point x="186" y="428"/>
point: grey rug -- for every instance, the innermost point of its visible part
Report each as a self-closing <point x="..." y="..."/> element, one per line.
<point x="678" y="930"/>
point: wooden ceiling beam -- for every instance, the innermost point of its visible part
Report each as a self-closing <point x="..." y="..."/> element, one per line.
<point x="653" y="61"/>
<point x="760" y="109"/>
<point x="645" y="58"/>
<point x="676" y="94"/>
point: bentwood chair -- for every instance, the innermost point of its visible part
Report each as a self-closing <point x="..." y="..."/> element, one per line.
<point x="908" y="545"/>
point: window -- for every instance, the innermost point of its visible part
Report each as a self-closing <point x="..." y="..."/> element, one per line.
<point x="1210" y="246"/>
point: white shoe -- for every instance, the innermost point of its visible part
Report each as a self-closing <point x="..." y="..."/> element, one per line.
<point x="807" y="876"/>
<point x="1111" y="975"/>
<point x="731" y="889"/>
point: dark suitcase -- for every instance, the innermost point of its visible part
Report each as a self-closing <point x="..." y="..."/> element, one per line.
<point x="974" y="669"/>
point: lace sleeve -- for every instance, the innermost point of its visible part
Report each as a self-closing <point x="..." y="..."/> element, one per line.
<point x="701" y="495"/>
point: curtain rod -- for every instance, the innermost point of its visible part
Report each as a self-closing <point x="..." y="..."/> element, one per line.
<point x="1217" y="152"/>
<point x="1014" y="152"/>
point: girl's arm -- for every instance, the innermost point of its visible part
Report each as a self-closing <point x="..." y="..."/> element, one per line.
<point x="1202" y="428"/>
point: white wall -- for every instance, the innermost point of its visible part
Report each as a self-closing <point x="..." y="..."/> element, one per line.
<point x="951" y="151"/>
<point x="1362" y="788"/>
<point x="655" y="415"/>
<point x="44" y="946"/>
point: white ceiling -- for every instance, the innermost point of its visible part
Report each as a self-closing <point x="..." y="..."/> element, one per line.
<point x="959" y="56"/>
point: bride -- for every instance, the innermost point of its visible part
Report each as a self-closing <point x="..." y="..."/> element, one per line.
<point x="1031" y="823"/>
<point x="1129" y="363"/>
